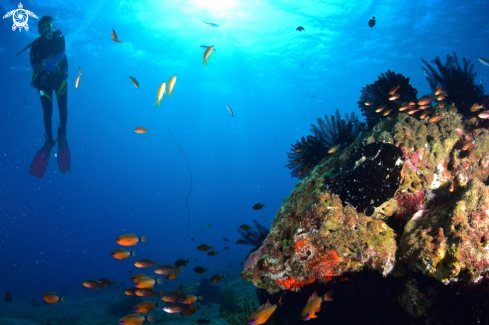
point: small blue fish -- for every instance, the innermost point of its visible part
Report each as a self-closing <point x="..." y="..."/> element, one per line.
<point x="211" y="24"/>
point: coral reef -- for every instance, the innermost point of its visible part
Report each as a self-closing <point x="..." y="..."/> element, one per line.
<point x="440" y="212"/>
<point x="373" y="168"/>
<point x="383" y="98"/>
<point x="457" y="81"/>
<point x="254" y="237"/>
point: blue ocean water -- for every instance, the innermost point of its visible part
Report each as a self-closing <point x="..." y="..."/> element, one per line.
<point x="59" y="230"/>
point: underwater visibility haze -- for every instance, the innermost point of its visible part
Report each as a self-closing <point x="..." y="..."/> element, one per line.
<point x="256" y="94"/>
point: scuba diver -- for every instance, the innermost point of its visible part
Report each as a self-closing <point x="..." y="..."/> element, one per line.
<point x="50" y="73"/>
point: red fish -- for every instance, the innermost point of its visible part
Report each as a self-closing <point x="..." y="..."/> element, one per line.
<point x="136" y="319"/>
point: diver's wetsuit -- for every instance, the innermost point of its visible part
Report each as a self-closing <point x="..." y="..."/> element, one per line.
<point x="50" y="72"/>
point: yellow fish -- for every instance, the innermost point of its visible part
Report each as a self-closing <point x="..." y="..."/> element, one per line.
<point x="262" y="314"/>
<point x="314" y="305"/>
<point x="171" y="85"/>
<point x="207" y="54"/>
<point x="160" y="93"/>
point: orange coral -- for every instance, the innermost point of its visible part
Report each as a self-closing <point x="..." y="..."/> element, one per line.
<point x="300" y="245"/>
<point x="324" y="263"/>
<point x="291" y="283"/>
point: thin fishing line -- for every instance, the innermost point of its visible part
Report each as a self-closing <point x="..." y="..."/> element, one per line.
<point x="188" y="194"/>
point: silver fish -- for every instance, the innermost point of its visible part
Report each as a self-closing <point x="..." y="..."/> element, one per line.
<point x="484" y="61"/>
<point x="205" y="47"/>
<point x="230" y="110"/>
<point x="211" y="24"/>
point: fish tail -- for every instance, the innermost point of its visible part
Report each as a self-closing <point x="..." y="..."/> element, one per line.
<point x="157" y="102"/>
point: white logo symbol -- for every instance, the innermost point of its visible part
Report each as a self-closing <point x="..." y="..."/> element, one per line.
<point x="20" y="17"/>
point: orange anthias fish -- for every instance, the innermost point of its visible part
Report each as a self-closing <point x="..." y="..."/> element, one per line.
<point x="122" y="254"/>
<point x="131" y="292"/>
<point x="314" y="305"/>
<point x="262" y="314"/>
<point x="394" y="97"/>
<point x="146" y="262"/>
<point x="171" y="85"/>
<point x="182" y="309"/>
<point x="139" y="276"/>
<point x="78" y="79"/>
<point x="333" y="149"/>
<point x="484" y="114"/>
<point x="147" y="283"/>
<point x="160" y="93"/>
<point x="129" y="240"/>
<point x="174" y="296"/>
<point x="114" y="37"/>
<point x="92" y="284"/>
<point x="189" y="299"/>
<point x="145" y="307"/>
<point x="425" y="100"/>
<point x="212" y="253"/>
<point x="134" y="82"/>
<point x="434" y="118"/>
<point x="136" y="319"/>
<point x="216" y="278"/>
<point x="140" y="130"/>
<point x="148" y="292"/>
<point x="204" y="247"/>
<point x="207" y="54"/>
<point x="168" y="269"/>
<point x="394" y="89"/>
<point x="52" y="298"/>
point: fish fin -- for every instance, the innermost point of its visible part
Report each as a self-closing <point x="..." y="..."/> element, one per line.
<point x="314" y="295"/>
<point x="133" y="253"/>
<point x="318" y="308"/>
<point x="143" y="239"/>
<point x="328" y="296"/>
<point x="62" y="299"/>
<point x="150" y="318"/>
<point x="312" y="316"/>
<point x="159" y="281"/>
<point x="201" y="297"/>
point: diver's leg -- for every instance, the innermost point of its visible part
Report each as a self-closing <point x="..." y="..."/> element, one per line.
<point x="41" y="160"/>
<point x="62" y="97"/>
<point x="64" y="157"/>
<point x="47" y="110"/>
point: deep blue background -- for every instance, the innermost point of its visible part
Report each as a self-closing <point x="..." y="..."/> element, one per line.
<point x="60" y="230"/>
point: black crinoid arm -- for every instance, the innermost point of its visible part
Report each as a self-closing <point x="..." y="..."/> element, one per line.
<point x="330" y="134"/>
<point x="377" y="95"/>
<point x="457" y="81"/>
<point x="334" y="131"/>
<point x="254" y="237"/>
<point x="304" y="155"/>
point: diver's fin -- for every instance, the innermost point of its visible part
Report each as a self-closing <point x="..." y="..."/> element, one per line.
<point x="64" y="158"/>
<point x="41" y="160"/>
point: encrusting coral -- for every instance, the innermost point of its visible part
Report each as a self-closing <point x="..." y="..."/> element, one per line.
<point x="441" y="205"/>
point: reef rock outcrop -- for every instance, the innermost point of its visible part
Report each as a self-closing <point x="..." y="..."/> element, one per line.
<point x="440" y="212"/>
